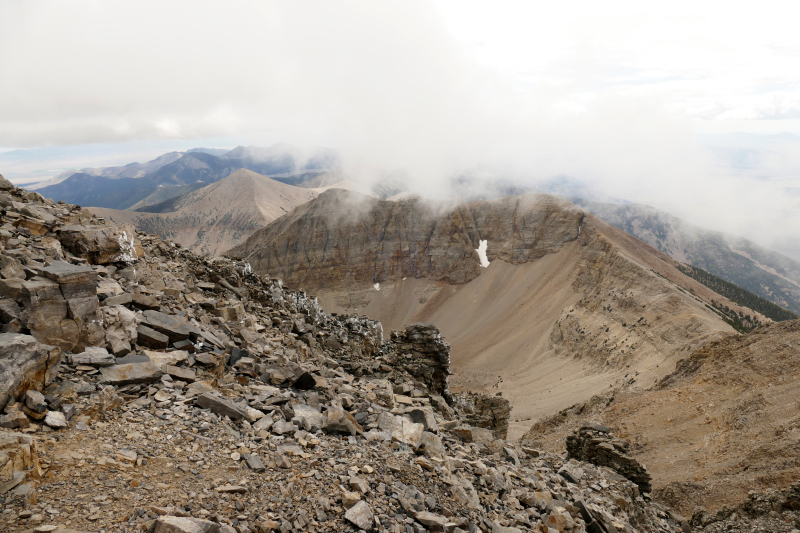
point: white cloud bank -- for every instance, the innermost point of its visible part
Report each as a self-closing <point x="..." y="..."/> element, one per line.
<point x="612" y="94"/>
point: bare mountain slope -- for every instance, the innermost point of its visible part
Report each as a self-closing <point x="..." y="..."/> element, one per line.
<point x="568" y="307"/>
<point x="724" y="423"/>
<point x="221" y="215"/>
<point x="768" y="274"/>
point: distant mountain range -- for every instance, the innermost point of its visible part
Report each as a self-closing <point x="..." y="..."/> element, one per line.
<point x="218" y="216"/>
<point x="170" y="175"/>
<point x="768" y="274"/>
<point x="169" y="186"/>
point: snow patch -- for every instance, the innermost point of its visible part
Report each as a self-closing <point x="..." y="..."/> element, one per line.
<point x="377" y="286"/>
<point x="481" y="249"/>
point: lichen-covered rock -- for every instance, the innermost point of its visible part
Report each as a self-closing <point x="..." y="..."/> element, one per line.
<point x="102" y="244"/>
<point x="120" y="329"/>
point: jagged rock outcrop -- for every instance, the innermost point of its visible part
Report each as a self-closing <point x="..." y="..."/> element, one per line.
<point x="482" y="411"/>
<point x="101" y="244"/>
<point x="47" y="288"/>
<point x="421" y="351"/>
<point x="595" y="444"/>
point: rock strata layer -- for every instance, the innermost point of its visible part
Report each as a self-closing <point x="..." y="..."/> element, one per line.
<point x="343" y="237"/>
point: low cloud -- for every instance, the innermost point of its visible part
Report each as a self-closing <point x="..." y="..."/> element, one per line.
<point x="389" y="87"/>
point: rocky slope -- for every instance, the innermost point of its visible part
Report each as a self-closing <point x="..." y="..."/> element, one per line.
<point x="219" y="216"/>
<point x="183" y="395"/>
<point x="568" y="307"/>
<point x="724" y="423"/>
<point x="768" y="274"/>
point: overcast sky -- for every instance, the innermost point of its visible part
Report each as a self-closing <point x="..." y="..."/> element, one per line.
<point x="676" y="105"/>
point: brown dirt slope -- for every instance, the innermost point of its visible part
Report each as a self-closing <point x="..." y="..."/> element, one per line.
<point x="726" y="421"/>
<point x="221" y="215"/>
<point x="569" y="307"/>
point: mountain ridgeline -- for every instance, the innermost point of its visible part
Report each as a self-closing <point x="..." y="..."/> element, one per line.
<point x="768" y="274"/>
<point x="168" y="177"/>
<point x="218" y="216"/>
<point x="568" y="307"/>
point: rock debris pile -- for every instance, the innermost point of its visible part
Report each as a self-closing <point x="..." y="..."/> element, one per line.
<point x="771" y="511"/>
<point x="145" y="389"/>
<point x="479" y="410"/>
<point x="595" y="444"/>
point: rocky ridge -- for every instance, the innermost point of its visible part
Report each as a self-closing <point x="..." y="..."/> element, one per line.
<point x="768" y="274"/>
<point x="566" y="298"/>
<point x="346" y="237"/>
<point x="722" y="426"/>
<point x="213" y="399"/>
<point x="595" y="444"/>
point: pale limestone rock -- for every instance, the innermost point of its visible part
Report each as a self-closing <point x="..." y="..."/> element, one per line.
<point x="25" y="364"/>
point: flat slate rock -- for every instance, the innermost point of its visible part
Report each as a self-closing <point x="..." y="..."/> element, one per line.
<point x="207" y="359"/>
<point x="131" y="373"/>
<point x="120" y="299"/>
<point x="220" y="406"/>
<point x="167" y="358"/>
<point x="133" y="358"/>
<point x="174" y="327"/>
<point x="151" y="338"/>
<point x="145" y="302"/>
<point x="183" y="374"/>
<point x="62" y="272"/>
<point x="93" y="355"/>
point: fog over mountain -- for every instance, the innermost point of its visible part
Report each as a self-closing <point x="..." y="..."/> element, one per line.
<point x="635" y="102"/>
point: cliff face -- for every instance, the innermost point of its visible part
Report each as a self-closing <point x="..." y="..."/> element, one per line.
<point x="568" y="306"/>
<point x="345" y="238"/>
